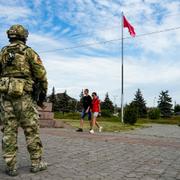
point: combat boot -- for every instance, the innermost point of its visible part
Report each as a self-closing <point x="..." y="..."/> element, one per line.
<point x="11" y="171"/>
<point x="41" y="166"/>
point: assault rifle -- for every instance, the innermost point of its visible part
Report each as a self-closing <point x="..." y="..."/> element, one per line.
<point x="39" y="95"/>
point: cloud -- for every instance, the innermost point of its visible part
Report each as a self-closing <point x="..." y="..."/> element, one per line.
<point x="42" y="42"/>
<point x="146" y="71"/>
<point x="14" y="12"/>
<point x="103" y="75"/>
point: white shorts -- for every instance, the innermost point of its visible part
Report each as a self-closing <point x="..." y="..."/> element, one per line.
<point x="95" y="114"/>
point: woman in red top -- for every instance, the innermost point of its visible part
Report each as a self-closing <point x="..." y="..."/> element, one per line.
<point x="95" y="110"/>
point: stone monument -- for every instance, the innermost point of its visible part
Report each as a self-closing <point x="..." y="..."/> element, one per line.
<point x="46" y="116"/>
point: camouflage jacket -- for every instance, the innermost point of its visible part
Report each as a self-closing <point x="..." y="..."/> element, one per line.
<point x="24" y="63"/>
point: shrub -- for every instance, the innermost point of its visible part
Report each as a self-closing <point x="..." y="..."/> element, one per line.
<point x="177" y="109"/>
<point x="60" y="115"/>
<point x="154" y="113"/>
<point x="130" y="114"/>
<point x="106" y="113"/>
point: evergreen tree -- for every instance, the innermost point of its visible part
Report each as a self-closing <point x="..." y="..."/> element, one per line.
<point x="64" y="105"/>
<point x="107" y="104"/>
<point x="62" y="102"/>
<point x="81" y="95"/>
<point x="165" y="104"/>
<point x="52" y="98"/>
<point x="177" y="108"/>
<point x="140" y="103"/>
<point x="72" y="105"/>
<point x="79" y="103"/>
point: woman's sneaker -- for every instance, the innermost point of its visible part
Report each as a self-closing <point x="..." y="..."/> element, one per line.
<point x="91" y="131"/>
<point x="38" y="167"/>
<point x="100" y="129"/>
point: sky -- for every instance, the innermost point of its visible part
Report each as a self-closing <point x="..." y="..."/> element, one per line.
<point x="66" y="35"/>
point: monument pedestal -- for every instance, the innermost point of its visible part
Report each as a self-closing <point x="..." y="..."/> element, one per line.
<point x="46" y="116"/>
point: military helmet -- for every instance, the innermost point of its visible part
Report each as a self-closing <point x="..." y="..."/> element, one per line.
<point x="17" y="31"/>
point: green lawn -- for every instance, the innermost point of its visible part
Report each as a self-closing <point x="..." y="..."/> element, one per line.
<point x="108" y="126"/>
<point x="172" y="120"/>
<point x="113" y="124"/>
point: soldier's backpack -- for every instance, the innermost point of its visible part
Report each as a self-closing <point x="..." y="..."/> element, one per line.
<point x="15" y="69"/>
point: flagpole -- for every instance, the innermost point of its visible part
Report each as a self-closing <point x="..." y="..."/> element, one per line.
<point x="122" y="72"/>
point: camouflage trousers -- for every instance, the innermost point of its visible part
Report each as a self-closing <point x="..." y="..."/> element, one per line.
<point x="20" y="112"/>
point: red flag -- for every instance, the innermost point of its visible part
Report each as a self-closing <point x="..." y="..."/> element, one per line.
<point x="128" y="25"/>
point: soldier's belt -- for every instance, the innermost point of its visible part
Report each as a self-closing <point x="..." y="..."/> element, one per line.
<point x="14" y="86"/>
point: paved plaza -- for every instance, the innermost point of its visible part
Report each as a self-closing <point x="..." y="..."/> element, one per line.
<point x="144" y="154"/>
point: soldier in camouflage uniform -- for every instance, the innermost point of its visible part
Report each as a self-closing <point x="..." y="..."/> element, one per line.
<point x="21" y="69"/>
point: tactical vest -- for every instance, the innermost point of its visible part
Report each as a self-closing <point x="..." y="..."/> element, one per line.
<point x="16" y="71"/>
